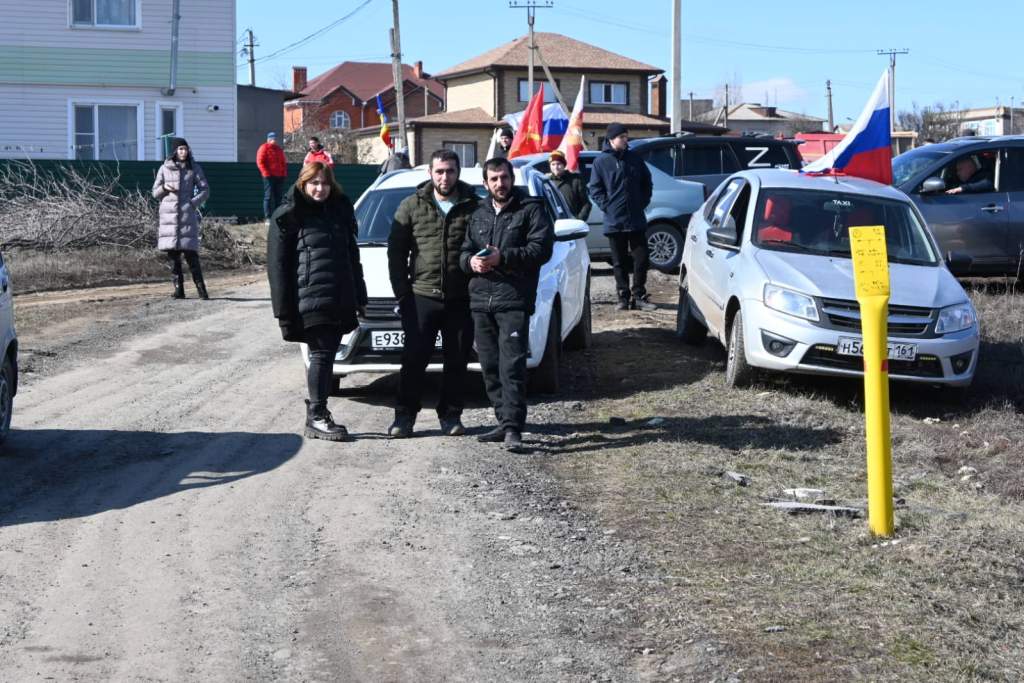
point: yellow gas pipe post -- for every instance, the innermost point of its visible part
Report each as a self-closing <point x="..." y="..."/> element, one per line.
<point x="871" y="278"/>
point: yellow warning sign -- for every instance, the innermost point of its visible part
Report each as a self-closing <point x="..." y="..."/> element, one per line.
<point x="870" y="261"/>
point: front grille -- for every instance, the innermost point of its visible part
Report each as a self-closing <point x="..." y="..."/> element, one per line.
<point x="824" y="355"/>
<point x="904" y="321"/>
<point x="381" y="308"/>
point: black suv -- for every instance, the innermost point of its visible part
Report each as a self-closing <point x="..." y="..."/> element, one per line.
<point x="710" y="159"/>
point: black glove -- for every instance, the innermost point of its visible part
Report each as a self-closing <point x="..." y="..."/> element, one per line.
<point x="291" y="330"/>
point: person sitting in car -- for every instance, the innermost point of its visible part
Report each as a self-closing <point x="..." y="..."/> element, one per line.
<point x="971" y="176"/>
<point x="775" y="222"/>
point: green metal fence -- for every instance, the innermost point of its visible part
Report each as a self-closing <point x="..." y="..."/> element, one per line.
<point x="236" y="189"/>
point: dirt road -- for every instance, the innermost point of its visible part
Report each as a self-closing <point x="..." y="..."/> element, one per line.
<point x="161" y="519"/>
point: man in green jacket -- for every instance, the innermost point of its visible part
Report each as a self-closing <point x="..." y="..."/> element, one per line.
<point x="423" y="263"/>
<point x="571" y="186"/>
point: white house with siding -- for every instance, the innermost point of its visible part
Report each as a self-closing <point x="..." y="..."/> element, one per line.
<point x="90" y="79"/>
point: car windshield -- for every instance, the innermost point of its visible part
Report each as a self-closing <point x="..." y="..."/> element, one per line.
<point x="817" y="222"/>
<point x="377" y="209"/>
<point x="909" y="164"/>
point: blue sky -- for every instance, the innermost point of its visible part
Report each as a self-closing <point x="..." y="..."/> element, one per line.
<point x="780" y="51"/>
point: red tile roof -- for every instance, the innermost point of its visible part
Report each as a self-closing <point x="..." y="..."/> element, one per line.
<point x="560" y="52"/>
<point x="364" y="80"/>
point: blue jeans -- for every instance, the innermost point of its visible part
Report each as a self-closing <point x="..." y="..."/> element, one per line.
<point x="273" y="189"/>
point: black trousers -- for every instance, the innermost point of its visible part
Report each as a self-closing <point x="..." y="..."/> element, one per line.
<point x="422" y="319"/>
<point x="323" y="341"/>
<point x="629" y="254"/>
<point x="273" y="191"/>
<point x="192" y="258"/>
<point x="502" y="344"/>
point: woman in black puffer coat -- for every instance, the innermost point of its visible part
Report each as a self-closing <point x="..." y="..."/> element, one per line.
<point x="316" y="282"/>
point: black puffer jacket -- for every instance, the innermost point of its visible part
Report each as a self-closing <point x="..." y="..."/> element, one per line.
<point x="313" y="265"/>
<point x="574" y="190"/>
<point x="523" y="234"/>
<point x="424" y="244"/>
<point x="620" y="185"/>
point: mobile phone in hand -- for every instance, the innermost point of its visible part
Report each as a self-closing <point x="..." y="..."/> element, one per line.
<point x="484" y="253"/>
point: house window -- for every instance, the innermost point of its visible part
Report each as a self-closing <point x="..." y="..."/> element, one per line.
<point x="103" y="131"/>
<point x="341" y="119"/>
<point x="168" y="125"/>
<point x="609" y="93"/>
<point x="104" y="13"/>
<point x="549" y="92"/>
<point x="465" y="150"/>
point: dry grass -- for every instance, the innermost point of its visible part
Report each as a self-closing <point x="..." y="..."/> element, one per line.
<point x="812" y="598"/>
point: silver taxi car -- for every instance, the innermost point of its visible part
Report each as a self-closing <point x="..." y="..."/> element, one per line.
<point x="767" y="271"/>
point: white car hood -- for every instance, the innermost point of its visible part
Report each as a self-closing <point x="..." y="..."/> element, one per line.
<point x="832" y="277"/>
<point x="375" y="272"/>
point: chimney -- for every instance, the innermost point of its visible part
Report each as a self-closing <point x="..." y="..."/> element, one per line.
<point x="417" y="70"/>
<point x="298" y="78"/>
<point x="658" y="96"/>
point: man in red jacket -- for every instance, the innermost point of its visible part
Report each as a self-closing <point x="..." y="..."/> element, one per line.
<point x="274" y="169"/>
<point x="317" y="153"/>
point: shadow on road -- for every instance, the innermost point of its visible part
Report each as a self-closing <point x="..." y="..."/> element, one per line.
<point x="52" y="474"/>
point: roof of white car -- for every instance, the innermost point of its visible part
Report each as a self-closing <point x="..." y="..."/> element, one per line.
<point x="414" y="176"/>
<point x="794" y="180"/>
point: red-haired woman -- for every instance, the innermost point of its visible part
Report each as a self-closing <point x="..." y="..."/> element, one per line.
<point x="316" y="282"/>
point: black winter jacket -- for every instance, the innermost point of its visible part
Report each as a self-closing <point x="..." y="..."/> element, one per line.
<point x="620" y="184"/>
<point x="523" y="234"/>
<point x="313" y="265"/>
<point x="575" y="192"/>
<point x="424" y="244"/>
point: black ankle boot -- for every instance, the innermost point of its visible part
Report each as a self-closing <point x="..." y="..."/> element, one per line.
<point x="179" y="287"/>
<point x="201" y="288"/>
<point x="320" y="424"/>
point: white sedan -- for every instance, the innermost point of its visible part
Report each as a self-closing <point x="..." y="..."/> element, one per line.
<point x="562" y="313"/>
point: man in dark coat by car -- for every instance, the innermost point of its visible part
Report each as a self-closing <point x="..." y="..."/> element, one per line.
<point x="508" y="239"/>
<point x="620" y="184"/>
<point x="570" y="185"/>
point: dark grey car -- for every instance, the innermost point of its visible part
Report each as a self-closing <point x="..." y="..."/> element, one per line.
<point x="983" y="229"/>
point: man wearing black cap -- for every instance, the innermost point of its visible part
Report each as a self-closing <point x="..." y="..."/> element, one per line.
<point x="504" y="145"/>
<point x="620" y="184"/>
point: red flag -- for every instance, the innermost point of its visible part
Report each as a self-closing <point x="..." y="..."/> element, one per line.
<point x="572" y="143"/>
<point x="531" y="129"/>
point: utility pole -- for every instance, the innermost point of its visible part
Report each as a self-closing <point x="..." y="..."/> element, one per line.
<point x="531" y="7"/>
<point x="677" y="65"/>
<point x="396" y="66"/>
<point x="1012" y="131"/>
<point x="726" y="105"/>
<point x="690" y="117"/>
<point x="250" y="50"/>
<point x="828" y="96"/>
<point x="892" y="52"/>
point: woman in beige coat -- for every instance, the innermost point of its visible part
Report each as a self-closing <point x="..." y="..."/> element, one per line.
<point x="181" y="187"/>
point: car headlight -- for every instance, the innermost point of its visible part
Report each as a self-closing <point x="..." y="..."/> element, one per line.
<point x="788" y="301"/>
<point x="955" y="318"/>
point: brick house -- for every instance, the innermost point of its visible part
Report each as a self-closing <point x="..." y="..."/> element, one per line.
<point x="481" y="90"/>
<point x="346" y="96"/>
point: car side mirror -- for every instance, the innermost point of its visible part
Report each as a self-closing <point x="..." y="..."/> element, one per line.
<point x="724" y="236"/>
<point x="569" y="229"/>
<point x="933" y="185"/>
<point x="958" y="261"/>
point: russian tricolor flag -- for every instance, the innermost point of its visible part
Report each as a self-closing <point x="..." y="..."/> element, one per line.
<point x="555" y="124"/>
<point x="866" y="151"/>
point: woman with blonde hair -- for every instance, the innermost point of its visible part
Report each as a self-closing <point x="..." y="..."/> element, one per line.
<point x="316" y="282"/>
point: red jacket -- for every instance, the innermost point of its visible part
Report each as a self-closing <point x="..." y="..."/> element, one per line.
<point x="320" y="155"/>
<point x="271" y="162"/>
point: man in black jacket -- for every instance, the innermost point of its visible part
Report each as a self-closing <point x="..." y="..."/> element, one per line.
<point x="423" y="263"/>
<point x="620" y="184"/>
<point x="508" y="239"/>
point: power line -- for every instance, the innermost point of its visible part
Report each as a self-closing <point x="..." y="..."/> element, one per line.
<point x="315" y="34"/>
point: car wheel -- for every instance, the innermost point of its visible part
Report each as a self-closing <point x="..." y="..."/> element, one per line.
<point x="664" y="247"/>
<point x="688" y="327"/>
<point x="738" y="373"/>
<point x="582" y="334"/>
<point x="7" y="381"/>
<point x="545" y="375"/>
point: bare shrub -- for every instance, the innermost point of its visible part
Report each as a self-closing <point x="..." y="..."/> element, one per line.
<point x="71" y="209"/>
<point x="339" y="143"/>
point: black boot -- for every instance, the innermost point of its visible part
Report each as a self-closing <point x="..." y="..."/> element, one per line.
<point x="320" y="424"/>
<point x="179" y="286"/>
<point x="201" y="288"/>
<point x="197" y="278"/>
